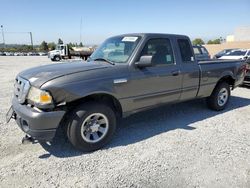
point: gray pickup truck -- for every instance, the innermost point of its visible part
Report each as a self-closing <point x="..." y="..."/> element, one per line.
<point x="126" y="74"/>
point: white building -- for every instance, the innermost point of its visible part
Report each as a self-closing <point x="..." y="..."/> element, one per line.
<point x="240" y="34"/>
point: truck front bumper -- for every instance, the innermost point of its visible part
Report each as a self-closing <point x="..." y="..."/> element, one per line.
<point x="39" y="125"/>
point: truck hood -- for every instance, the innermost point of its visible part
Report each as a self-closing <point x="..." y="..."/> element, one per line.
<point x="37" y="76"/>
<point x="54" y="51"/>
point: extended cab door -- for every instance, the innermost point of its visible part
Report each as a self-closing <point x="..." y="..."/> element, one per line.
<point x="160" y="83"/>
<point x="190" y="69"/>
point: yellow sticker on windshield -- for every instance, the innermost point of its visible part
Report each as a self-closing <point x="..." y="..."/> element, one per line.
<point x="129" y="39"/>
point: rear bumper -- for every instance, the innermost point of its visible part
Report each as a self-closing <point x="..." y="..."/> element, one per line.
<point x="39" y="125"/>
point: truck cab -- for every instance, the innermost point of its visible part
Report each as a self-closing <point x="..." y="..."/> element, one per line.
<point x="59" y="53"/>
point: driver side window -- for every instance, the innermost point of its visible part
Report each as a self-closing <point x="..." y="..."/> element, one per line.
<point x="160" y="50"/>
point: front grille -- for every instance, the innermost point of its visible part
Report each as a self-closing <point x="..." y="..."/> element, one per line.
<point x="21" y="89"/>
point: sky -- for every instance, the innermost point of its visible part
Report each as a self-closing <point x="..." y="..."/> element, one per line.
<point x="52" y="19"/>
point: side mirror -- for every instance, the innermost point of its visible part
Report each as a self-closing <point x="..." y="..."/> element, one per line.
<point x="145" y="61"/>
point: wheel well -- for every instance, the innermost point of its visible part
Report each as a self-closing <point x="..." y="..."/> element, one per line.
<point x="227" y="79"/>
<point x="102" y="98"/>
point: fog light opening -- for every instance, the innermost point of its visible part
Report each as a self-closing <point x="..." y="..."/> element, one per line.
<point x="25" y="126"/>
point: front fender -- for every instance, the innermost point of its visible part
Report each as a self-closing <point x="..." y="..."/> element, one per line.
<point x="74" y="91"/>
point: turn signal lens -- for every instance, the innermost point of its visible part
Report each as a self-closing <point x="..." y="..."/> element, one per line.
<point x="45" y="98"/>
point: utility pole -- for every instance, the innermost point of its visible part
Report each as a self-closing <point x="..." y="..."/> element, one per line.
<point x="3" y="36"/>
<point x="31" y="40"/>
<point x="81" y="31"/>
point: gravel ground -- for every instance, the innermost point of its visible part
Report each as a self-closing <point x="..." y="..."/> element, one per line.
<point x="183" y="145"/>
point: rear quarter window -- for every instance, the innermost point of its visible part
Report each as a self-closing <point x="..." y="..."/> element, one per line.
<point x="204" y="50"/>
<point x="196" y="51"/>
<point x="185" y="50"/>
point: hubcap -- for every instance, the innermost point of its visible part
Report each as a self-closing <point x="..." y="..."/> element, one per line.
<point x="94" y="127"/>
<point x="222" y="97"/>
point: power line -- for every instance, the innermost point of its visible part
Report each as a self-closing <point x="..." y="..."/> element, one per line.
<point x="24" y="32"/>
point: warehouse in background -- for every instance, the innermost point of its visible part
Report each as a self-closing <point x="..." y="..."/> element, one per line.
<point x="239" y="39"/>
<point x="240" y="34"/>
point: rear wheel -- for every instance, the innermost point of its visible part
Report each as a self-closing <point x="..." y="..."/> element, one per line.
<point x="91" y="126"/>
<point x="220" y="97"/>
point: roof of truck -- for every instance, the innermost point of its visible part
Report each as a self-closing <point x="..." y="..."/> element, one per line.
<point x="153" y="35"/>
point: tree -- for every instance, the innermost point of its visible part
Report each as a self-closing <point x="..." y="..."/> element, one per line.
<point x="215" y="41"/>
<point x="52" y="46"/>
<point x="44" y="46"/>
<point x="198" y="41"/>
<point x="60" y="41"/>
<point x="71" y="45"/>
<point x="81" y="45"/>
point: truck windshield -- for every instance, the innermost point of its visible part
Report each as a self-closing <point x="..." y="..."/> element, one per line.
<point x="116" y="49"/>
<point x="59" y="47"/>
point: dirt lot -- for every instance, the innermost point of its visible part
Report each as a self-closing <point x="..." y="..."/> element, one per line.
<point x="184" y="145"/>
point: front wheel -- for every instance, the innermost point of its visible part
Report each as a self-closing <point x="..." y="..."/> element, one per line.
<point x="91" y="126"/>
<point x="218" y="100"/>
<point x="57" y="58"/>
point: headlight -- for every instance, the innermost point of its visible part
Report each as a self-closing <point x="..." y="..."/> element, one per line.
<point x="39" y="96"/>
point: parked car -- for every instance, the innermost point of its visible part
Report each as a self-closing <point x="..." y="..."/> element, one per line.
<point x="2" y="54"/>
<point x="43" y="53"/>
<point x="201" y="53"/>
<point x="223" y="52"/>
<point x="18" y="54"/>
<point x="32" y="54"/>
<point x="247" y="77"/>
<point x="237" y="54"/>
<point x="125" y="75"/>
<point x="9" y="54"/>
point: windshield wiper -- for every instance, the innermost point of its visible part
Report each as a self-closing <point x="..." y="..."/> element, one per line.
<point x="103" y="59"/>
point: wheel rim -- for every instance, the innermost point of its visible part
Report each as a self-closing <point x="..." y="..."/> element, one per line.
<point x="222" y="97"/>
<point x="94" y="128"/>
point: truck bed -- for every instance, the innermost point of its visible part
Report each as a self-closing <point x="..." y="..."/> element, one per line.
<point x="210" y="74"/>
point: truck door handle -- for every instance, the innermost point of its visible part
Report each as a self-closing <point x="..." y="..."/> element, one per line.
<point x="175" y="73"/>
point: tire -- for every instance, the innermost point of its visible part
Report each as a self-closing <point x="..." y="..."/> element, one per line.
<point x="87" y="122"/>
<point x="57" y="58"/>
<point x="219" y="99"/>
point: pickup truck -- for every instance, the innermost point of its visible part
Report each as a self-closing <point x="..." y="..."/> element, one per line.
<point x="126" y="74"/>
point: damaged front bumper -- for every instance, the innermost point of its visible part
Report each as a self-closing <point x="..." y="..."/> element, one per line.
<point x="40" y="125"/>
